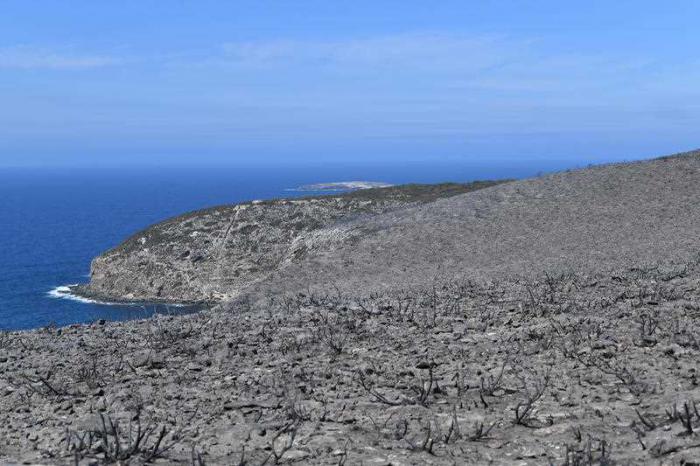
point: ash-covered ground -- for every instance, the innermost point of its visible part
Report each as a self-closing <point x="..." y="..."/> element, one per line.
<point x="563" y="369"/>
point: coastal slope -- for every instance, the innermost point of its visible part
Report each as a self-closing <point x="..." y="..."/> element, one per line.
<point x="591" y="220"/>
<point x="553" y="320"/>
<point x="214" y="254"/>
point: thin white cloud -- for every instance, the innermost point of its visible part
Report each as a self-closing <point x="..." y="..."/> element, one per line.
<point x="415" y="50"/>
<point x="407" y="85"/>
<point x="28" y="57"/>
<point x="446" y="63"/>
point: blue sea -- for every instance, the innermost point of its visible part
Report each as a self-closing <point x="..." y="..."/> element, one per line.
<point x="54" y="221"/>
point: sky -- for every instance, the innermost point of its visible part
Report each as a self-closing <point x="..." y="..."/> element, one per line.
<point x="86" y="83"/>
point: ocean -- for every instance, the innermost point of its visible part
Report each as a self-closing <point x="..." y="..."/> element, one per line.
<point x="54" y="221"/>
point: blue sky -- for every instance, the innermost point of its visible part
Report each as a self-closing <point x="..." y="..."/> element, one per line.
<point x="134" y="82"/>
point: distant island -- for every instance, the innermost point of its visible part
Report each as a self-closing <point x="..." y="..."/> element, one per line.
<point x="343" y="186"/>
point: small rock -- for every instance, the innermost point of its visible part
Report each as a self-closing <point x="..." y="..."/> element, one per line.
<point x="649" y="341"/>
<point x="602" y="344"/>
<point x="194" y="367"/>
<point x="296" y="455"/>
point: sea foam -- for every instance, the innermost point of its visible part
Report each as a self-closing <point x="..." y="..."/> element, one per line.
<point x="64" y="292"/>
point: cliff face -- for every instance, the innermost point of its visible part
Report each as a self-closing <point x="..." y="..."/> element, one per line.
<point x="214" y="254"/>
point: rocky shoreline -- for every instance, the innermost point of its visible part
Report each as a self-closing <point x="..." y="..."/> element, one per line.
<point x="86" y="292"/>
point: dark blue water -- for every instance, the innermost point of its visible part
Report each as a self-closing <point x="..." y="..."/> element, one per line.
<point x="53" y="222"/>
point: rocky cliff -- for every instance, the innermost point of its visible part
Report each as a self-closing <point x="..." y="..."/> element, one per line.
<point x="214" y="254"/>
